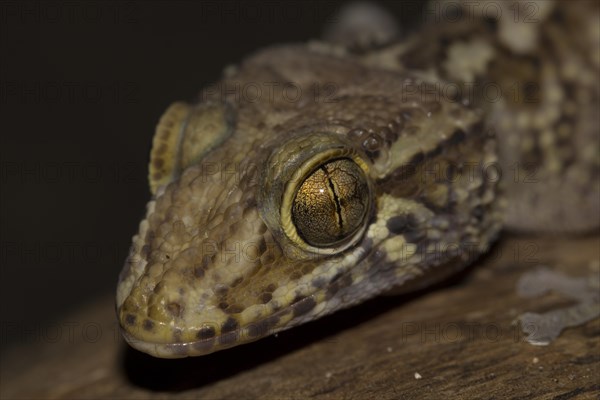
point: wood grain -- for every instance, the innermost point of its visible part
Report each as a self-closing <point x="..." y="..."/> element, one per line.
<point x="457" y="340"/>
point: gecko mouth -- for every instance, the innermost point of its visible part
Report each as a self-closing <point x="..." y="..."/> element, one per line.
<point x="235" y="329"/>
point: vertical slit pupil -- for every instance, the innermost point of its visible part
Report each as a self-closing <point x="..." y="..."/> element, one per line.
<point x="338" y="207"/>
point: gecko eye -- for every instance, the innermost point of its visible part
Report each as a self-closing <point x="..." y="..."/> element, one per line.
<point x="316" y="195"/>
<point x="331" y="204"/>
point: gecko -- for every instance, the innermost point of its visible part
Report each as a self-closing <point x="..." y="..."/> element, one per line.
<point x="318" y="175"/>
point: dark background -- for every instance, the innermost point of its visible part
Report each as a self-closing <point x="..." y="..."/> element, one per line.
<point x="82" y="85"/>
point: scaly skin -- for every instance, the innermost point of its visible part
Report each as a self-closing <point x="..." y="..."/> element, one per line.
<point x="359" y="178"/>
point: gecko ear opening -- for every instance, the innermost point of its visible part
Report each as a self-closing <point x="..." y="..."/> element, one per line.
<point x="184" y="134"/>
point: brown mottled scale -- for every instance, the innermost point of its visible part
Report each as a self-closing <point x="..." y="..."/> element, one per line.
<point x="350" y="175"/>
<point x="535" y="73"/>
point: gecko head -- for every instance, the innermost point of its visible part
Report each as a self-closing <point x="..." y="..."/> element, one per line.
<point x="230" y="252"/>
<point x="266" y="225"/>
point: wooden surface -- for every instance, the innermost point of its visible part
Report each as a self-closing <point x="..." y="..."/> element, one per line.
<point x="457" y="341"/>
